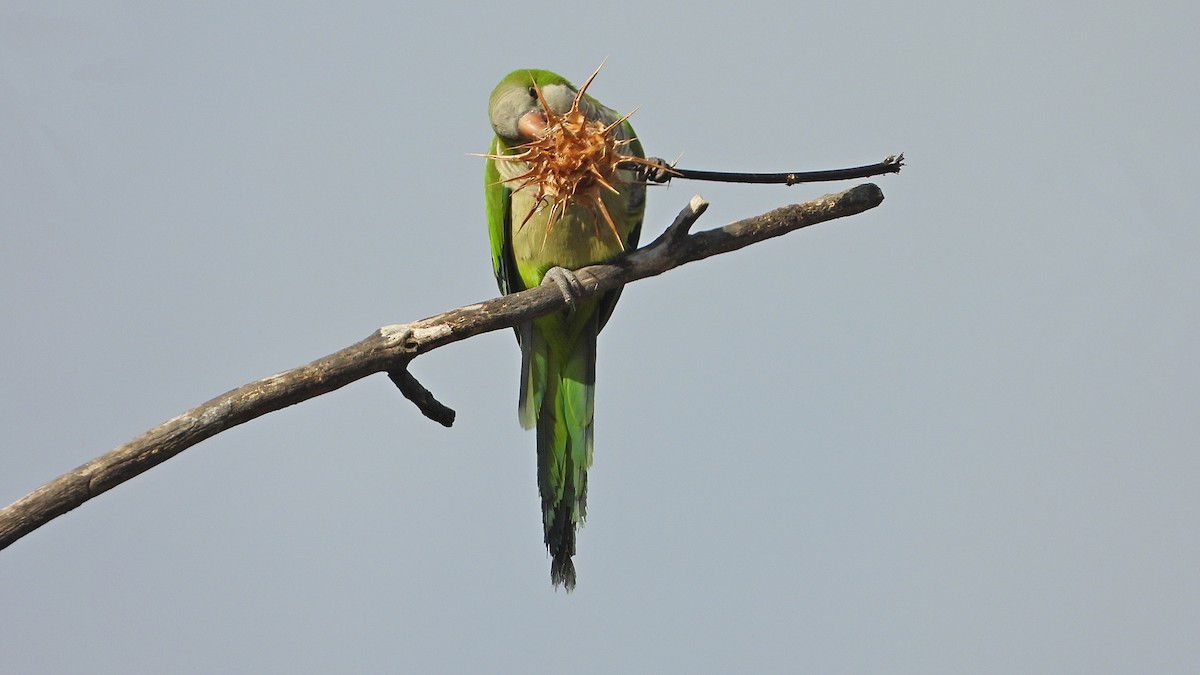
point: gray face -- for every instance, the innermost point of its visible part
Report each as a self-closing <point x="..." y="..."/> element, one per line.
<point x="513" y="102"/>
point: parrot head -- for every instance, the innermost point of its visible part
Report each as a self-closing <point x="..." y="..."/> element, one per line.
<point x="517" y="113"/>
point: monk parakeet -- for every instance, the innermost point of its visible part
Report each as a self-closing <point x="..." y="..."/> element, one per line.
<point x="529" y="237"/>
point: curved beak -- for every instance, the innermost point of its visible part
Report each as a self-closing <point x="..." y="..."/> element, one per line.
<point x="532" y="125"/>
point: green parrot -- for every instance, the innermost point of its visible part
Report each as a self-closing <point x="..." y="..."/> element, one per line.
<point x="558" y="352"/>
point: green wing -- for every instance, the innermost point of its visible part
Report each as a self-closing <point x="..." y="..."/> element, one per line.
<point x="497" y="198"/>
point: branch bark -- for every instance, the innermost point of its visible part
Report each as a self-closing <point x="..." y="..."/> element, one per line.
<point x="391" y="348"/>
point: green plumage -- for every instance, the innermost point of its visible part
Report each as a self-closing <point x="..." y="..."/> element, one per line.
<point x="558" y="352"/>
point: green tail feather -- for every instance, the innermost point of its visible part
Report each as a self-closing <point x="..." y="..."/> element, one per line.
<point x="557" y="396"/>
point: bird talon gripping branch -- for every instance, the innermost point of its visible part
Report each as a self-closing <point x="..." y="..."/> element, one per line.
<point x="568" y="284"/>
<point x="656" y="170"/>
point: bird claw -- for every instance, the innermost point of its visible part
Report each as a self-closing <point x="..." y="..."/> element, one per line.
<point x="660" y="172"/>
<point x="568" y="284"/>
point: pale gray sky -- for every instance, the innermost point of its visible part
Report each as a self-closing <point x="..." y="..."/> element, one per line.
<point x="956" y="434"/>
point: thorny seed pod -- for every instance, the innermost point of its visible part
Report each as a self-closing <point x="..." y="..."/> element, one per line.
<point x="573" y="160"/>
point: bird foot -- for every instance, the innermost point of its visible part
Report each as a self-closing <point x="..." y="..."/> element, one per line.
<point x="660" y="172"/>
<point x="568" y="284"/>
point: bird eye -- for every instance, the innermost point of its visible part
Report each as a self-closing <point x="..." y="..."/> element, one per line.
<point x="532" y="91"/>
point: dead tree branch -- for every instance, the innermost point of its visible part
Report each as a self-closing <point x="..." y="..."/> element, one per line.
<point x="391" y="348"/>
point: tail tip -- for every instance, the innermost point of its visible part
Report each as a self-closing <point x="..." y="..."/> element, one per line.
<point x="562" y="572"/>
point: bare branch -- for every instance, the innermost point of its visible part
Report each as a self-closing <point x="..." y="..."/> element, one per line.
<point x="679" y="229"/>
<point x="391" y="348"/>
<point x="421" y="397"/>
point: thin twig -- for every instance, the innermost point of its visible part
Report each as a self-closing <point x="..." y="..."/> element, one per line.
<point x="665" y="172"/>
